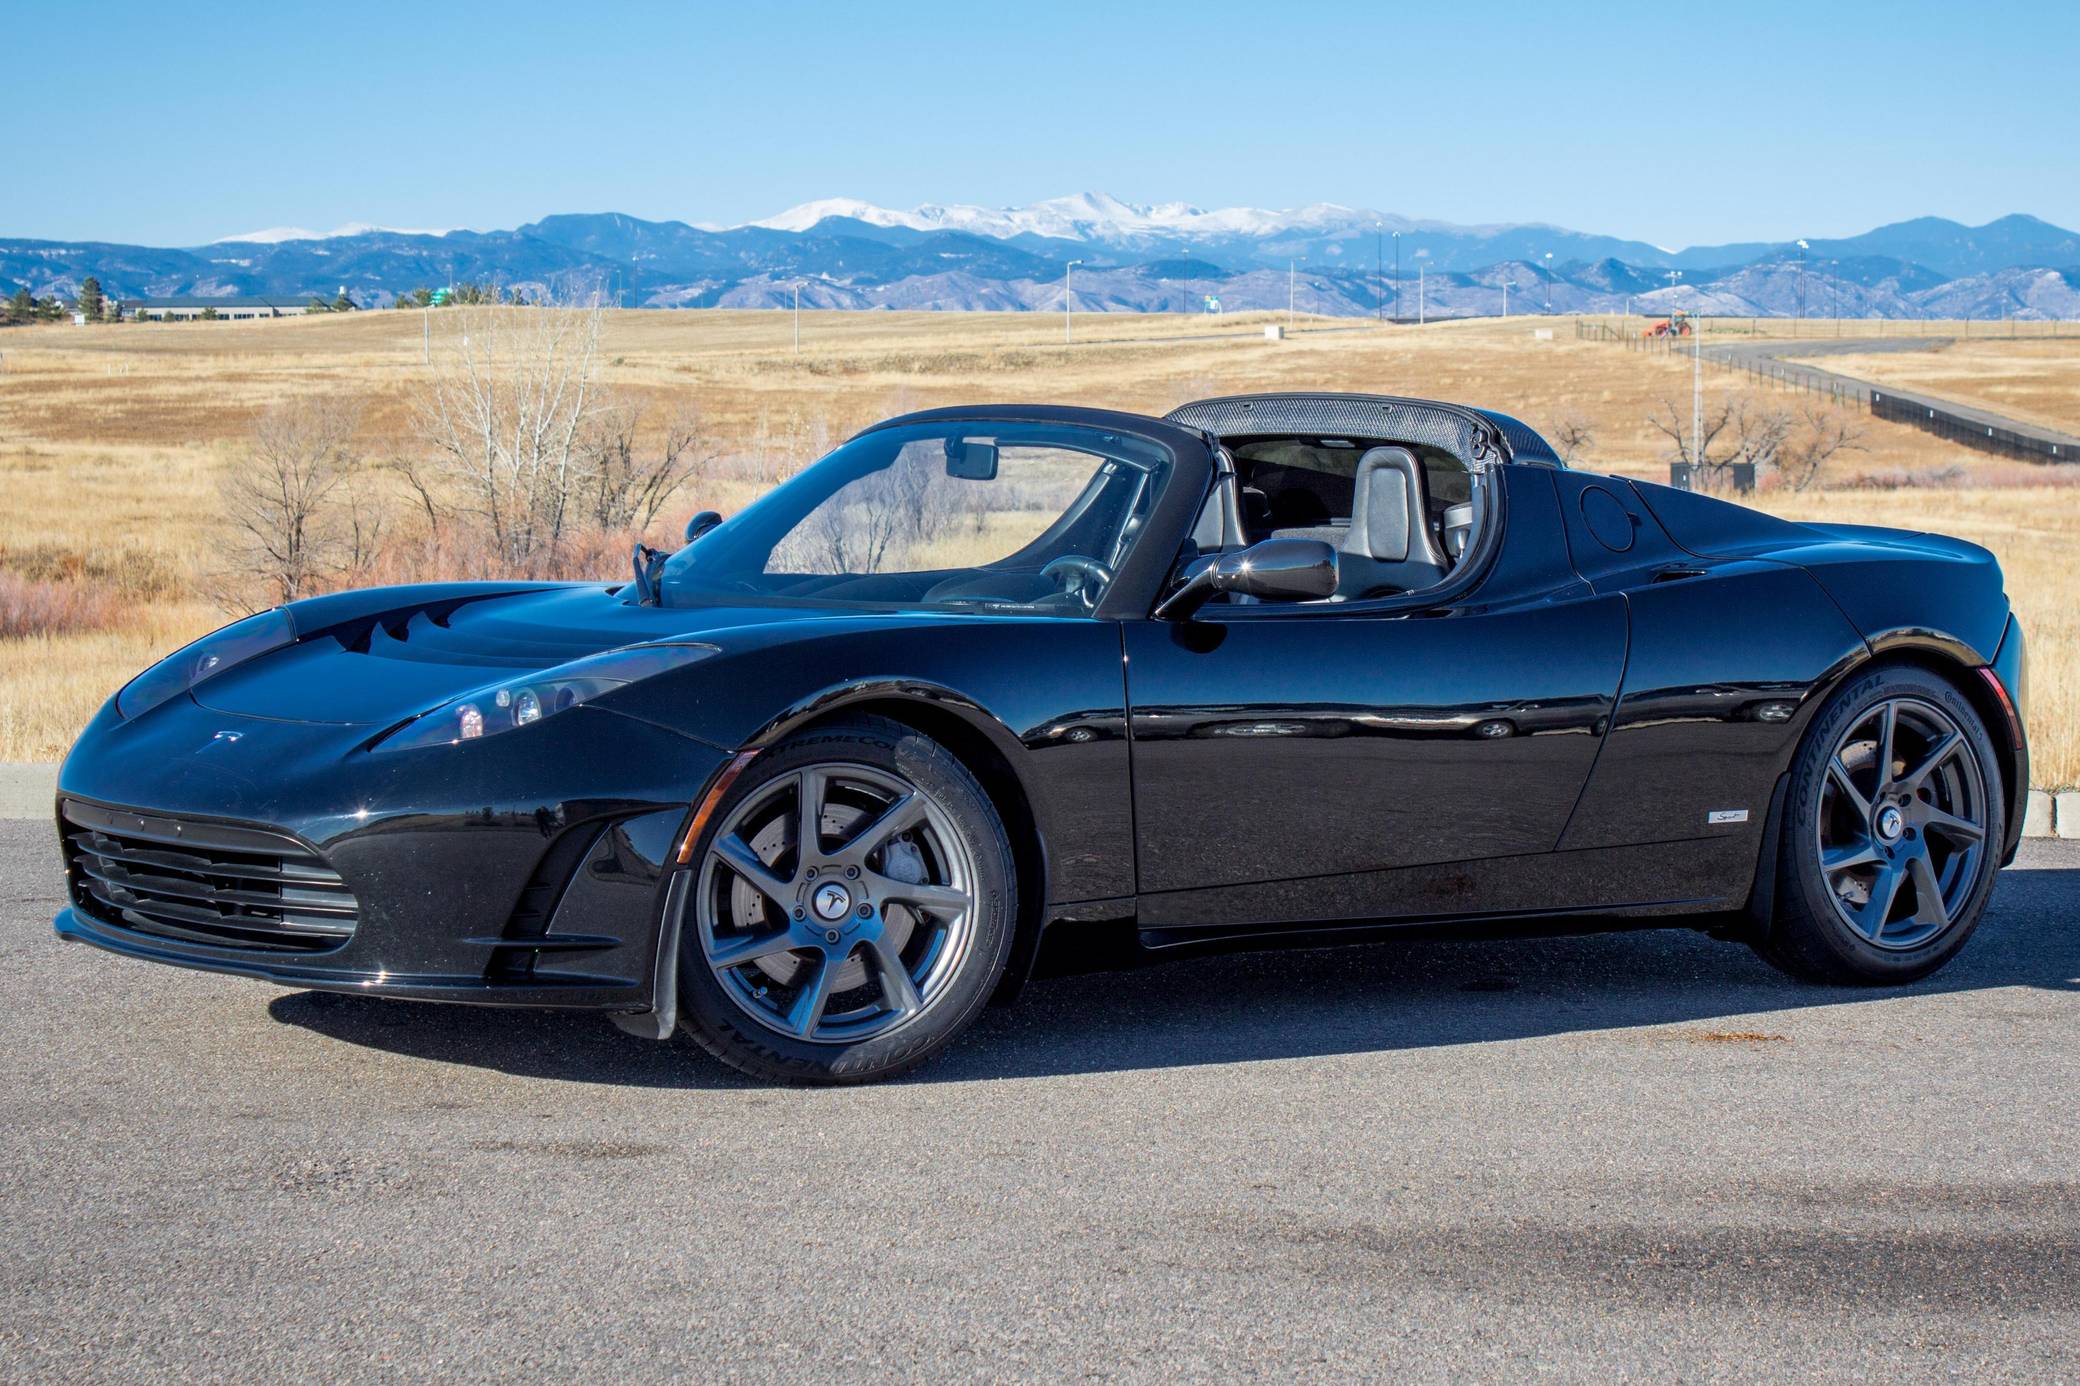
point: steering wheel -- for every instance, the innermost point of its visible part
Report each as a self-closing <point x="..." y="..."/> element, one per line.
<point x="1086" y="577"/>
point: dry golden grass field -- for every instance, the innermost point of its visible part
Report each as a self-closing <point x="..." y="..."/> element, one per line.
<point x="113" y="438"/>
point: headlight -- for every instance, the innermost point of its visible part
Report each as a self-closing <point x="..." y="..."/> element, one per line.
<point x="518" y="702"/>
<point x="205" y="659"/>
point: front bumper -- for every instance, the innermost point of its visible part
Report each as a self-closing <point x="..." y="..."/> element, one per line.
<point x="528" y="873"/>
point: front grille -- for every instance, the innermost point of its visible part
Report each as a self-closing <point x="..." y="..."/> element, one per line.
<point x="202" y="882"/>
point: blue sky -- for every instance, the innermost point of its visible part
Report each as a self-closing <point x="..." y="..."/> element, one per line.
<point x="175" y="123"/>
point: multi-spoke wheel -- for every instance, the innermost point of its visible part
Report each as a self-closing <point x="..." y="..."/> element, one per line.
<point x="1895" y="821"/>
<point x="851" y="907"/>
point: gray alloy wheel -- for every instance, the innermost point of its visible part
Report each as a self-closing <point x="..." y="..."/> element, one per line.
<point x="1891" y="836"/>
<point x="836" y="904"/>
<point x="1901" y="826"/>
<point x="851" y="908"/>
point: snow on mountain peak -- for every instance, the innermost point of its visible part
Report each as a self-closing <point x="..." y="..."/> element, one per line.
<point x="275" y="235"/>
<point x="1085" y="216"/>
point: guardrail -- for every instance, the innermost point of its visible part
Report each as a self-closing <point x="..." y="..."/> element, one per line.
<point x="1969" y="432"/>
<point x="1881" y="404"/>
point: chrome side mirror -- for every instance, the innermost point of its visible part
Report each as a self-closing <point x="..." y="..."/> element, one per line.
<point x="1271" y="570"/>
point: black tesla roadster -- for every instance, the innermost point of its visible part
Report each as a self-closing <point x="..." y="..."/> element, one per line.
<point x="1275" y="669"/>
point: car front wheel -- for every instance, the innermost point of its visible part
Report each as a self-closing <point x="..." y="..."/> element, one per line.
<point x="852" y="908"/>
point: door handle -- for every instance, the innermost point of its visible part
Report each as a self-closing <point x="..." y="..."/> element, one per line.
<point x="1676" y="572"/>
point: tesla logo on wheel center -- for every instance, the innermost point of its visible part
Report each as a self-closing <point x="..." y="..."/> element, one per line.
<point x="831" y="901"/>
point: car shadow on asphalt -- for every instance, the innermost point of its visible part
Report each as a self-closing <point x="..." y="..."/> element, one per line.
<point x="1246" y="1007"/>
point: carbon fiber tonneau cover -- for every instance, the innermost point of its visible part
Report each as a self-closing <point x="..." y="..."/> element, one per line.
<point x="1465" y="433"/>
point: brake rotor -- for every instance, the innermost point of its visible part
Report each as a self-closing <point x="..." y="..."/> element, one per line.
<point x="774" y="843"/>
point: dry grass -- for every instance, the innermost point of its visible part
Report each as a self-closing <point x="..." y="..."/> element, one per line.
<point x="112" y="440"/>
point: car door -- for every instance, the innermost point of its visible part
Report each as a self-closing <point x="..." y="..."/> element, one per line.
<point x="1305" y="763"/>
<point x="1727" y="655"/>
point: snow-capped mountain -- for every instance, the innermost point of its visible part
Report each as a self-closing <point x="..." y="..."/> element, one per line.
<point x="1089" y="216"/>
<point x="276" y="235"/>
<point x="1169" y="257"/>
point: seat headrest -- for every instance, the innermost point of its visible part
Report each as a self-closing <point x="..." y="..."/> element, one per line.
<point x="1386" y="504"/>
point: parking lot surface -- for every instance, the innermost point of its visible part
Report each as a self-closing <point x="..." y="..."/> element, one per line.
<point x="1641" y="1155"/>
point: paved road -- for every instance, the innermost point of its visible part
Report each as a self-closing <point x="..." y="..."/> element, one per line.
<point x="1642" y="1155"/>
<point x="1788" y="359"/>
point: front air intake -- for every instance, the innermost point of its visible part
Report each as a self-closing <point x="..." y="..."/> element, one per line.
<point x="202" y="882"/>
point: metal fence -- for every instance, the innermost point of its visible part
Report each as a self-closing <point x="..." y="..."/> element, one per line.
<point x="1969" y="432"/>
<point x="1779" y="375"/>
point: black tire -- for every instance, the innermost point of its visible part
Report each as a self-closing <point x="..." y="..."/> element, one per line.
<point x="1811" y="935"/>
<point x="732" y="1030"/>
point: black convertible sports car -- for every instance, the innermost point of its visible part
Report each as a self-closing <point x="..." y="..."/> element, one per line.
<point x="1285" y="668"/>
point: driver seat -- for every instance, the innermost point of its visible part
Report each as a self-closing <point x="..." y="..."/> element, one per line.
<point x="1388" y="546"/>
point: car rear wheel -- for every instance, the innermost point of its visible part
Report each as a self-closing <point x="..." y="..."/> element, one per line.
<point x="1891" y="835"/>
<point x="852" y="908"/>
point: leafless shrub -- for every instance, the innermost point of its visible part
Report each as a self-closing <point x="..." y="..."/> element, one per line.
<point x="1947" y="475"/>
<point x="626" y="486"/>
<point x="298" y="517"/>
<point x="29" y="607"/>
<point x="1571" y="434"/>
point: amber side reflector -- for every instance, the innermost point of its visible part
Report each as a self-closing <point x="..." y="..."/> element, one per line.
<point x="2000" y="691"/>
<point x="705" y="809"/>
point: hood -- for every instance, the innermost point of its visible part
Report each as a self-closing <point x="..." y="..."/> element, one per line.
<point x="391" y="663"/>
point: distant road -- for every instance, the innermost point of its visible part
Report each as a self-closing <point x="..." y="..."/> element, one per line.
<point x="1772" y="357"/>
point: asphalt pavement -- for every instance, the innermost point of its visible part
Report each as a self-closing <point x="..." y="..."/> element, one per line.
<point x="1617" y="1157"/>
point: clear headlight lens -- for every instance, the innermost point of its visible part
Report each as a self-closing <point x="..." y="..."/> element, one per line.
<point x="205" y="659"/>
<point x="519" y="702"/>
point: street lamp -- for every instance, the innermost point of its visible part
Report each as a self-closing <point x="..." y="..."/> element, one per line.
<point x="1549" y="281"/>
<point x="1397" y="276"/>
<point x="1066" y="301"/>
<point x="1379" y="291"/>
<point x="1802" y="249"/>
<point x="798" y="317"/>
<point x="1292" y="278"/>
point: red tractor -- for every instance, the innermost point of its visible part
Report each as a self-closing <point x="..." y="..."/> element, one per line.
<point x="1675" y="325"/>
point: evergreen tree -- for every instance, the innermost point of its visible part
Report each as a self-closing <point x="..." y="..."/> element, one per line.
<point x="22" y="306"/>
<point x="90" y="298"/>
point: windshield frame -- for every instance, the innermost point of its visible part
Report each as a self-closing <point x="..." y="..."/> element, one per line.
<point x="1140" y="572"/>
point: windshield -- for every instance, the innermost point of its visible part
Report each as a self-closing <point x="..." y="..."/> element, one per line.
<point x="956" y="514"/>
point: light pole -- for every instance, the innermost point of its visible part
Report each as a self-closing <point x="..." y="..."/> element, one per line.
<point x="1379" y="290"/>
<point x="798" y="317"/>
<point x="1292" y="278"/>
<point x="1397" y="276"/>
<point x="1697" y="391"/>
<point x="1422" y="294"/>
<point x="1505" y="296"/>
<point x="1066" y="300"/>
<point x="1802" y="248"/>
<point x="1549" y="282"/>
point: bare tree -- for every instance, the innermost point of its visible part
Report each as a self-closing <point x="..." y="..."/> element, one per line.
<point x="505" y="417"/>
<point x="1828" y="433"/>
<point x="291" y="502"/>
<point x="626" y="486"/>
<point x="1733" y="430"/>
<point x="1572" y="433"/>
<point x="1742" y="429"/>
